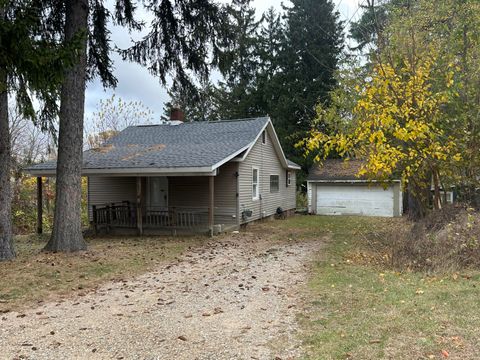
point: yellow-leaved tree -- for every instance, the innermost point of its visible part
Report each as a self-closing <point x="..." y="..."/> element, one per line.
<point x="395" y="128"/>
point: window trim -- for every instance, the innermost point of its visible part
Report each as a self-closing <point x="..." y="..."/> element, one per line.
<point x="289" y="178"/>
<point x="278" y="183"/>
<point x="256" y="196"/>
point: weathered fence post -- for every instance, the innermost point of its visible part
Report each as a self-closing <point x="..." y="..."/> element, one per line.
<point x="94" y="218"/>
<point x="39" y="206"/>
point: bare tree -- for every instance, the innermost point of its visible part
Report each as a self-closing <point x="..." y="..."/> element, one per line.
<point x="112" y="116"/>
<point x="28" y="142"/>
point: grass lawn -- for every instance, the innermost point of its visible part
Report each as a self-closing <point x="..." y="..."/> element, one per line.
<point x="358" y="307"/>
<point x="35" y="276"/>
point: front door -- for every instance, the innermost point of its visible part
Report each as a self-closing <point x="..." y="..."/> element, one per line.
<point x="158" y="192"/>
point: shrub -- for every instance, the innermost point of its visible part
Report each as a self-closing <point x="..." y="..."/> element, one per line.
<point x="446" y="240"/>
<point x="24" y="204"/>
<point x="302" y="201"/>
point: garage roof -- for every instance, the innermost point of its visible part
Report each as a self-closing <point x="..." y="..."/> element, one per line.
<point x="336" y="169"/>
<point x="339" y="170"/>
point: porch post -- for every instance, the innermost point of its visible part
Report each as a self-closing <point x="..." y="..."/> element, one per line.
<point x="139" y="206"/>
<point x="39" y="206"/>
<point x="211" y="203"/>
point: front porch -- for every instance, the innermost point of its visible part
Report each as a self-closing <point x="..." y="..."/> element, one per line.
<point x="159" y="204"/>
<point x="123" y="218"/>
<point x="156" y="204"/>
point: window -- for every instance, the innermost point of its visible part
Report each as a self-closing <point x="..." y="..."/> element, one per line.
<point x="274" y="180"/>
<point x="264" y="137"/>
<point x="289" y="178"/>
<point x="255" y="184"/>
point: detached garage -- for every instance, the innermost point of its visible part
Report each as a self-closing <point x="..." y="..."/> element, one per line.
<point x="334" y="189"/>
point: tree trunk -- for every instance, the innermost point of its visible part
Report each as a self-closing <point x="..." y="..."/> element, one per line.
<point x="416" y="202"/>
<point x="67" y="226"/>
<point x="6" y="236"/>
<point x="437" y="198"/>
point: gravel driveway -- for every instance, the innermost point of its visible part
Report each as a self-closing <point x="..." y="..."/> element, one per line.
<point x="235" y="297"/>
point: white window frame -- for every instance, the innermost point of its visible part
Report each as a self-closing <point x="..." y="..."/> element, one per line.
<point x="289" y="178"/>
<point x="256" y="190"/>
<point x="278" y="183"/>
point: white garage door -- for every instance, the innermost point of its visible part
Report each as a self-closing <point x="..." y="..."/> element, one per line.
<point x="354" y="200"/>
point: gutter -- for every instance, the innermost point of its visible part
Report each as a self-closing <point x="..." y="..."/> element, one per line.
<point x="353" y="181"/>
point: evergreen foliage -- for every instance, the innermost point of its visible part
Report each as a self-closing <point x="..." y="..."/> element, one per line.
<point x="32" y="60"/>
<point x="278" y="65"/>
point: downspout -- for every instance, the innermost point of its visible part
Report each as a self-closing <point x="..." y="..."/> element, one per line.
<point x="262" y="173"/>
<point x="237" y="194"/>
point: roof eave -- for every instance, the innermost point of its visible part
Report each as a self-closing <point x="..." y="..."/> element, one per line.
<point x="185" y="171"/>
<point x="350" y="181"/>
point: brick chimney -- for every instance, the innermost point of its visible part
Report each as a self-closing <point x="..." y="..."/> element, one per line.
<point x="176" y="114"/>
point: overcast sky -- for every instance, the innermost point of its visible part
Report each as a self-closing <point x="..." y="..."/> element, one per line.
<point x="136" y="84"/>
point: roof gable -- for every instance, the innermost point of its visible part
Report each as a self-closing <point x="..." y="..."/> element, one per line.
<point x="276" y="145"/>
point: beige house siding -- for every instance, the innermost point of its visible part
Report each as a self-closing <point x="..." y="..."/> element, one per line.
<point x="192" y="191"/>
<point x="105" y="190"/>
<point x="265" y="158"/>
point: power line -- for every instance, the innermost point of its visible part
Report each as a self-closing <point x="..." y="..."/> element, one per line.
<point x="355" y="13"/>
<point x="338" y="4"/>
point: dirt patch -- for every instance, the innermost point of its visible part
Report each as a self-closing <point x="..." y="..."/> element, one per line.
<point x="232" y="298"/>
<point x="104" y="149"/>
<point x="158" y="147"/>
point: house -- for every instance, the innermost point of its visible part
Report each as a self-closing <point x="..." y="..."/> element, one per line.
<point x="195" y="176"/>
<point x="335" y="189"/>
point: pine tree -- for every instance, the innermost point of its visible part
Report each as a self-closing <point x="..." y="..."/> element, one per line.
<point x="182" y="36"/>
<point x="198" y="103"/>
<point x="271" y="48"/>
<point x="86" y="21"/>
<point x="365" y="30"/>
<point x="271" y="38"/>
<point x="308" y="61"/>
<point x="31" y="62"/>
<point x="236" y="98"/>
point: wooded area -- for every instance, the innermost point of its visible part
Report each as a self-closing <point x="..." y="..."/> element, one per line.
<point x="401" y="93"/>
<point x="411" y="110"/>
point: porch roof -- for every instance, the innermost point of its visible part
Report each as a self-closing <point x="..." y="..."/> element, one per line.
<point x="196" y="147"/>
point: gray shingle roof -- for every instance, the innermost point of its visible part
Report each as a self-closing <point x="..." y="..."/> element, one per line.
<point x="339" y="170"/>
<point x="336" y="169"/>
<point x="196" y="144"/>
<point x="293" y="164"/>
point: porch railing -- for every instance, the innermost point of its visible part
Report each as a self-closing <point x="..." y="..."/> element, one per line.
<point x="121" y="214"/>
<point x="176" y="217"/>
<point x="124" y="215"/>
